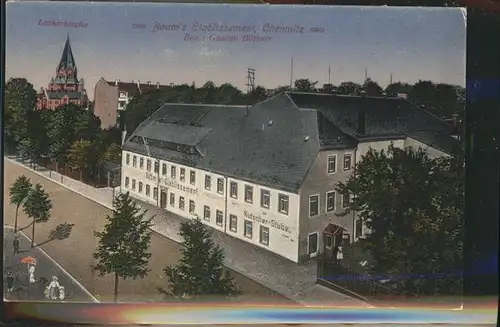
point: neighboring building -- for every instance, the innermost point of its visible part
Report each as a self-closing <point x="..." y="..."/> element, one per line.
<point x="111" y="98"/>
<point x="267" y="175"/>
<point x="65" y="87"/>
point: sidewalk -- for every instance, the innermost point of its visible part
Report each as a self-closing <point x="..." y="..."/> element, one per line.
<point x="297" y="282"/>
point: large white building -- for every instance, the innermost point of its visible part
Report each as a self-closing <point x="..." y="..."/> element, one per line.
<point x="267" y="174"/>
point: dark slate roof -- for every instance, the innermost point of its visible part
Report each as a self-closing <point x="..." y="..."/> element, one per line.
<point x="267" y="147"/>
<point x="385" y="118"/>
<point x="67" y="58"/>
<point x="277" y="142"/>
<point x="60" y="94"/>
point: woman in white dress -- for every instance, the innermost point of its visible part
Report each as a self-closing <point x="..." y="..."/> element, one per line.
<point x="53" y="287"/>
<point x="31" y="271"/>
<point x="62" y="294"/>
<point x="340" y="255"/>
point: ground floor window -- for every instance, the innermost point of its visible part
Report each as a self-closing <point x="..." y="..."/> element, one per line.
<point x="206" y="213"/>
<point x="172" y="199"/>
<point x="191" y="206"/>
<point x="127" y="182"/>
<point x="181" y="203"/>
<point x="155" y="193"/>
<point x="133" y="184"/>
<point x="264" y="235"/>
<point x="148" y="190"/>
<point x="359" y="228"/>
<point x="219" y="220"/>
<point x="140" y="187"/>
<point x="312" y="241"/>
<point x="248" y="229"/>
<point x="233" y="223"/>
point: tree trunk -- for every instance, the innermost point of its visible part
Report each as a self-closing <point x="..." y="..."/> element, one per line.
<point x="116" y="288"/>
<point x="81" y="174"/>
<point x="33" y="234"/>
<point x="15" y="221"/>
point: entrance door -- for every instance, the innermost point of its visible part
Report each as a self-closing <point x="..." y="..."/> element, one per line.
<point x="312" y="244"/>
<point x="332" y="236"/>
<point x="163" y="199"/>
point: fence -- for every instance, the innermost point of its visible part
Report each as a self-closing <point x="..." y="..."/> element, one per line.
<point x="346" y="281"/>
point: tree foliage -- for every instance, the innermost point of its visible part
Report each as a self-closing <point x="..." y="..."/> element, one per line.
<point x="305" y="85"/>
<point x="19" y="191"/>
<point x="200" y="271"/>
<point x="79" y="155"/>
<point x="372" y="88"/>
<point x="37" y="206"/>
<point x="414" y="206"/>
<point x="123" y="244"/>
<point x="349" y="88"/>
<point x="113" y="153"/>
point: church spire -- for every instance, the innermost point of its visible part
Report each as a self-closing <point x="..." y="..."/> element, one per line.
<point x="67" y="60"/>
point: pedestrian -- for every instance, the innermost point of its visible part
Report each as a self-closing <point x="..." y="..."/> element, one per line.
<point x="62" y="295"/>
<point x="53" y="287"/>
<point x="31" y="271"/>
<point x="340" y="255"/>
<point x="46" y="292"/>
<point x="15" y="243"/>
<point x="10" y="282"/>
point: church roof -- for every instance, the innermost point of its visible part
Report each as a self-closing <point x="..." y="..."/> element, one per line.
<point x="67" y="58"/>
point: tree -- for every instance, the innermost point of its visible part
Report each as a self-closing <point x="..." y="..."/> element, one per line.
<point x="398" y="87"/>
<point x="79" y="155"/>
<point x="200" y="270"/>
<point x="37" y="206"/>
<point x="124" y="242"/>
<point x="305" y="85"/>
<point x="19" y="191"/>
<point x="20" y="99"/>
<point x="413" y="205"/>
<point x="349" y="88"/>
<point x="35" y="144"/>
<point x="372" y="88"/>
<point x="113" y="153"/>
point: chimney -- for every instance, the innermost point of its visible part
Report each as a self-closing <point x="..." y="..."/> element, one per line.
<point x="158" y="85"/>
<point x="149" y="83"/>
<point x="361" y="130"/>
<point x="138" y="83"/>
<point x="116" y="82"/>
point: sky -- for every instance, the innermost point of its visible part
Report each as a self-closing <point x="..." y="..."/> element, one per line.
<point x="336" y="43"/>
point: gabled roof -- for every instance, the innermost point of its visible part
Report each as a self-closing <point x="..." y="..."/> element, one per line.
<point x="276" y="141"/>
<point x="73" y="95"/>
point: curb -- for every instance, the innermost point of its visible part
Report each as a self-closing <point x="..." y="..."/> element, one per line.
<point x="57" y="265"/>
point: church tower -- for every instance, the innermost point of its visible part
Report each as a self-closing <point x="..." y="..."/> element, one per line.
<point x="65" y="87"/>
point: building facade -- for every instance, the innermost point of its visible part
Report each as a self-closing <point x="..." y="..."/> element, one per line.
<point x="65" y="87"/>
<point x="111" y="98"/>
<point x="267" y="175"/>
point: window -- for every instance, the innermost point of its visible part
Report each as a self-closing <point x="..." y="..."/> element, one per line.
<point x="283" y="203"/>
<point x="181" y="203"/>
<point x="206" y="213"/>
<point x="264" y="235"/>
<point x="172" y="199"/>
<point x="123" y="95"/>
<point x="312" y="241"/>
<point x="192" y="177"/>
<point x="127" y="181"/>
<point x="148" y="190"/>
<point x="155" y="193"/>
<point x="219" y="217"/>
<point x="265" y="198"/>
<point x="233" y="223"/>
<point x="234" y="190"/>
<point x="248" y="193"/>
<point x="164" y="169"/>
<point x="157" y="167"/>
<point x="330" y="201"/>
<point x="148" y="165"/>
<point x="133" y="184"/>
<point x="347" y="161"/>
<point x="183" y="174"/>
<point x="140" y="187"/>
<point x="345" y="200"/>
<point x="134" y="161"/>
<point x="191" y="206"/>
<point x="141" y="163"/>
<point x="127" y="160"/>
<point x="332" y="164"/>
<point x="313" y="205"/>
<point x="172" y="172"/>
<point x="359" y="228"/>
<point x="248" y="228"/>
<point x="208" y="182"/>
<point x="220" y="185"/>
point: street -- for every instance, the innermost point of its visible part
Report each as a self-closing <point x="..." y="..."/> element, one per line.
<point x="45" y="269"/>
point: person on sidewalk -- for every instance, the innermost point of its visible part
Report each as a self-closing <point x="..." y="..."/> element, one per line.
<point x="53" y="288"/>
<point x="62" y="295"/>
<point x="340" y="255"/>
<point x="31" y="271"/>
<point x="15" y="244"/>
<point x="10" y="282"/>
